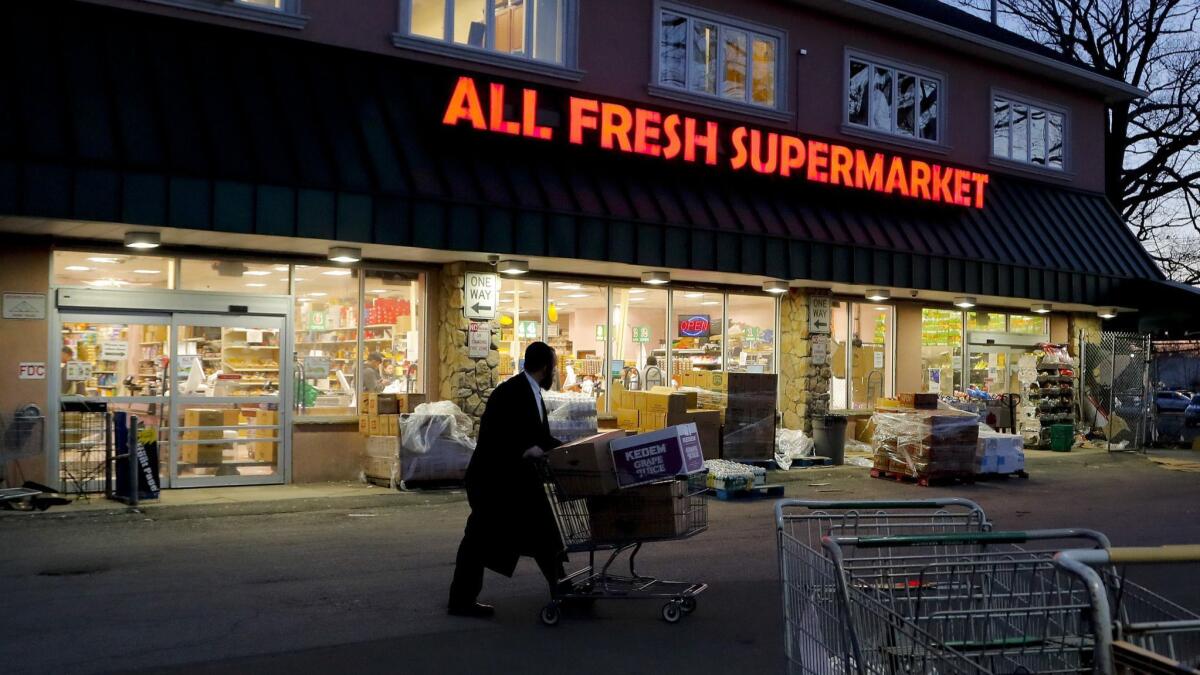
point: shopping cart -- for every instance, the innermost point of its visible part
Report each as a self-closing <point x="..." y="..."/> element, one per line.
<point x="1134" y="629"/>
<point x="819" y="613"/>
<point x="619" y="525"/>
<point x="994" y="598"/>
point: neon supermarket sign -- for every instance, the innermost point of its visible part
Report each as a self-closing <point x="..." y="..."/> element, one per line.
<point x="673" y="136"/>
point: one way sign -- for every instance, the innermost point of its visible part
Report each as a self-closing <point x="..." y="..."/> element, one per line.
<point x="818" y="314"/>
<point x="480" y="294"/>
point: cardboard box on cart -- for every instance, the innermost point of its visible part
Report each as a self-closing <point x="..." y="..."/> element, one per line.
<point x="584" y="468"/>
<point x="658" y="455"/>
<point x="657" y="510"/>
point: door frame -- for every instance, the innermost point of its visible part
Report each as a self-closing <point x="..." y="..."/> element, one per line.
<point x="137" y="305"/>
<point x="282" y="401"/>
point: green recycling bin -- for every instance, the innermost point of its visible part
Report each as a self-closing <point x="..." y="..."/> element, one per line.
<point x="1062" y="437"/>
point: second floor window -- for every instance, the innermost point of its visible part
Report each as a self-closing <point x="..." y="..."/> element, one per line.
<point x="892" y="100"/>
<point x="710" y="58"/>
<point x="531" y="29"/>
<point x="1027" y="133"/>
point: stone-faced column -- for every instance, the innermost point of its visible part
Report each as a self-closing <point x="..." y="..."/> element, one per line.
<point x="803" y="386"/>
<point x="466" y="381"/>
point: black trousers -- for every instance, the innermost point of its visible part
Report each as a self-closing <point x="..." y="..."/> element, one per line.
<point x="469" y="566"/>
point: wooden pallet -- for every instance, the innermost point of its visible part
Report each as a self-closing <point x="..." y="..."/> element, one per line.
<point x="756" y="492"/>
<point x="807" y="462"/>
<point x="936" y="480"/>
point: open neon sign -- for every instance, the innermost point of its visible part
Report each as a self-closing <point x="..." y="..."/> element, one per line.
<point x="697" y="325"/>
<point x="672" y="136"/>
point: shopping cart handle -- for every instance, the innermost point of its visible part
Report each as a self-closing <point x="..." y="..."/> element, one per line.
<point x="1135" y="554"/>
<point x="811" y="504"/>
<point x="1003" y="537"/>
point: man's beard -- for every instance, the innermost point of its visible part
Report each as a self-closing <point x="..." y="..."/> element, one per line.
<point x="547" y="381"/>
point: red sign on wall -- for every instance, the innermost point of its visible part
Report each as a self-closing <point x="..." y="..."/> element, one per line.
<point x="672" y="136"/>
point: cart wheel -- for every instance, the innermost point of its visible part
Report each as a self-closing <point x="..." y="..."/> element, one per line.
<point x="671" y="612"/>
<point x="551" y="614"/>
<point x="688" y="605"/>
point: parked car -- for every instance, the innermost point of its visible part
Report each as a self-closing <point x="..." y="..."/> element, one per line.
<point x="1191" y="414"/>
<point x="1172" y="401"/>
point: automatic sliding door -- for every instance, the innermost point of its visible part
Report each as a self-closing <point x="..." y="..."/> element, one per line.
<point x="229" y="402"/>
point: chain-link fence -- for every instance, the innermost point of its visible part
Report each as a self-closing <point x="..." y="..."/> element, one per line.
<point x="1175" y="378"/>
<point x="1117" y="397"/>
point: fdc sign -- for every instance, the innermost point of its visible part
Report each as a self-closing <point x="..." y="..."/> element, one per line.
<point x="480" y="294"/>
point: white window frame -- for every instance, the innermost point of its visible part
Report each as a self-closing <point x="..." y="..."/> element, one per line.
<point x="723" y="22"/>
<point x="290" y="16"/>
<point x="1029" y="103"/>
<point x="567" y="69"/>
<point x="897" y="67"/>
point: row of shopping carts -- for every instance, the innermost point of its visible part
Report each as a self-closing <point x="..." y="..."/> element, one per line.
<point x="929" y="586"/>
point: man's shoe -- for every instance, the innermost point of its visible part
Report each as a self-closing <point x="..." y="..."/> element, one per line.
<point x="474" y="610"/>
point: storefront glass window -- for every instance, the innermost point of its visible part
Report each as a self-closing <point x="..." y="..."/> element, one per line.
<point x="392" y="327"/>
<point x="696" y="336"/>
<point x="990" y="322"/>
<point x="232" y="276"/>
<point x="575" y="328"/>
<point x="112" y="270"/>
<point x="113" y="359"/>
<point x="1027" y="325"/>
<point x="941" y="350"/>
<point x="520" y="318"/>
<point x="639" y="337"/>
<point x="326" y="328"/>
<point x="751" y="334"/>
<point x="870" y="354"/>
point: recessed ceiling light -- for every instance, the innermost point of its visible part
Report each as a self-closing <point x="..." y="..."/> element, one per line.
<point x="337" y="273"/>
<point x="636" y="299"/>
<point x="107" y="282"/>
<point x="145" y="271"/>
<point x="76" y="268"/>
<point x="103" y="259"/>
<point x="345" y="254"/>
<point x="565" y="287"/>
<point x="377" y="290"/>
<point x="512" y="267"/>
<point x="693" y="295"/>
<point x="656" y="277"/>
<point x="256" y="273"/>
<point x="882" y="309"/>
<point x="318" y="294"/>
<point x="562" y="304"/>
<point x="636" y="291"/>
<point x="1107" y="312"/>
<point x="710" y="302"/>
<point x="577" y="295"/>
<point x="281" y="268"/>
<point x="298" y="279"/>
<point x="255" y="285"/>
<point x="1041" y="308"/>
<point x="142" y="240"/>
<point x="965" y="302"/>
<point x="878" y="294"/>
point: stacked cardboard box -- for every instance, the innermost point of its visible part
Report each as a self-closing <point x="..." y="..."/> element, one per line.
<point x="925" y="443"/>
<point x="584" y="468"/>
<point x="265" y="451"/>
<point x="381" y="413"/>
<point x="217" y="418"/>
<point x="749" y="432"/>
<point x="383" y="459"/>
<point x="658" y="510"/>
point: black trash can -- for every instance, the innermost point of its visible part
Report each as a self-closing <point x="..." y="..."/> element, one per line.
<point x="829" y="438"/>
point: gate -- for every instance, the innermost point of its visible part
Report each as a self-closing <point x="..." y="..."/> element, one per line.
<point x="1117" y="396"/>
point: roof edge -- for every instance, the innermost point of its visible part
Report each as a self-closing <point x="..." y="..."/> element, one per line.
<point x="1113" y="90"/>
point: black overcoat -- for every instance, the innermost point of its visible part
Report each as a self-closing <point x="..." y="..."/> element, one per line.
<point x="509" y="508"/>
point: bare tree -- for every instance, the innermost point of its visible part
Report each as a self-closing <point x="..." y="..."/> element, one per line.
<point x="1152" y="145"/>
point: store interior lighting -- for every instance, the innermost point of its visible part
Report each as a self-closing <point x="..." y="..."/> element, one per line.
<point x="1107" y="313"/>
<point x="656" y="277"/>
<point x="1041" y="308"/>
<point x="636" y="291"/>
<point x="878" y="294"/>
<point x="345" y="254"/>
<point x="964" y="302"/>
<point x="775" y="286"/>
<point x="512" y="267"/>
<point x="142" y="240"/>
